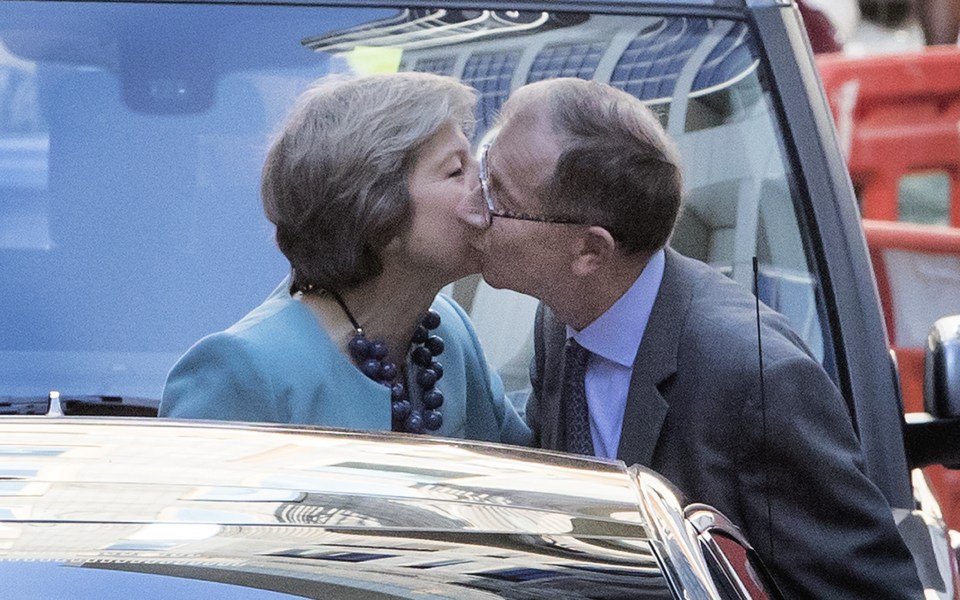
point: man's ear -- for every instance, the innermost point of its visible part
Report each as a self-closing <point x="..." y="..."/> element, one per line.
<point x="596" y="249"/>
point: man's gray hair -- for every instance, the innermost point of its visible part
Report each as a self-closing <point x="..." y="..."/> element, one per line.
<point x="335" y="180"/>
<point x="618" y="167"/>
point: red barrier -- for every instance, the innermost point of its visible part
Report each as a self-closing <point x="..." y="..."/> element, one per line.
<point x="896" y="114"/>
<point x="918" y="276"/>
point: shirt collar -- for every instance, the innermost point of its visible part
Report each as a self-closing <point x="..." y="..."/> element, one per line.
<point x="616" y="334"/>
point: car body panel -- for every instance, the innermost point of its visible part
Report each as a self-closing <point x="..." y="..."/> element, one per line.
<point x="332" y="509"/>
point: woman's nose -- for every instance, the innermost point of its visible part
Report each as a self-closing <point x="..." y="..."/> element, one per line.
<point x="471" y="209"/>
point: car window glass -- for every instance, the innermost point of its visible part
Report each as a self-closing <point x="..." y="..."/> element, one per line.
<point x="704" y="79"/>
<point x="132" y="137"/>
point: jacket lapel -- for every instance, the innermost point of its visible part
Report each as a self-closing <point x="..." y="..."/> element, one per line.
<point x="551" y="380"/>
<point x="656" y="362"/>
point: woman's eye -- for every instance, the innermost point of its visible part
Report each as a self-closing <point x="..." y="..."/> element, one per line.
<point x="456" y="172"/>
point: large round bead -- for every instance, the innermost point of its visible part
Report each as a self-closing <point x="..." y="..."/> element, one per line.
<point x="378" y="349"/>
<point x="420" y="335"/>
<point x="437" y="368"/>
<point x="400" y="410"/>
<point x="397" y="391"/>
<point x="388" y="371"/>
<point x="434" y="344"/>
<point x="431" y="320"/>
<point x="371" y="368"/>
<point x="426" y="378"/>
<point x="421" y="356"/>
<point x="414" y="423"/>
<point x="433" y="399"/>
<point x="359" y="347"/>
<point x="432" y="420"/>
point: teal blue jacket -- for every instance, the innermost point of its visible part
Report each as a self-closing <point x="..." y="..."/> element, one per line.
<point x="278" y="365"/>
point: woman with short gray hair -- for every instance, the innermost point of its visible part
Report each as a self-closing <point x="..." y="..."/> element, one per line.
<point x="362" y="185"/>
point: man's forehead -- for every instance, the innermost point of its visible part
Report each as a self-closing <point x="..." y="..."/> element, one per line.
<point x="524" y="154"/>
<point x="534" y="94"/>
<point x="523" y="108"/>
<point x="528" y="132"/>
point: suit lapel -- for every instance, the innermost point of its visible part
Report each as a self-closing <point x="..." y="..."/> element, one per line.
<point x="656" y="362"/>
<point x="551" y="380"/>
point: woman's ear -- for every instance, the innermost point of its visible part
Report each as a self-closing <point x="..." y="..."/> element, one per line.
<point x="596" y="249"/>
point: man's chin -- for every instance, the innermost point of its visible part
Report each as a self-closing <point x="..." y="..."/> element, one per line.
<point x="492" y="271"/>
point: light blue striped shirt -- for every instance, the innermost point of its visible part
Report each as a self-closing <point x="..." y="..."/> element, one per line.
<point x="613" y="340"/>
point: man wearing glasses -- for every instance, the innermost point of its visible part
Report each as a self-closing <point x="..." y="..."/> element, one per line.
<point x="648" y="356"/>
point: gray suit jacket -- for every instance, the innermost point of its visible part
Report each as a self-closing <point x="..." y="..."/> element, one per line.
<point x="694" y="415"/>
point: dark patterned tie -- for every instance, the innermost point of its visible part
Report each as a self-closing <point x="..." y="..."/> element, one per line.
<point x="574" y="400"/>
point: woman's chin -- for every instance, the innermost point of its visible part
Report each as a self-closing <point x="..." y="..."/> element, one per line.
<point x="468" y="264"/>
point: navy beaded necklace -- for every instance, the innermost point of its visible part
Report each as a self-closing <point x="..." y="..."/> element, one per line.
<point x="371" y="357"/>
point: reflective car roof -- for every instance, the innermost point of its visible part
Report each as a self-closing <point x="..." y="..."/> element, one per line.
<point x="313" y="513"/>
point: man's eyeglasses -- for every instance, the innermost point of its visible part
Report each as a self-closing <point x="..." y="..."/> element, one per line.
<point x="493" y="211"/>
